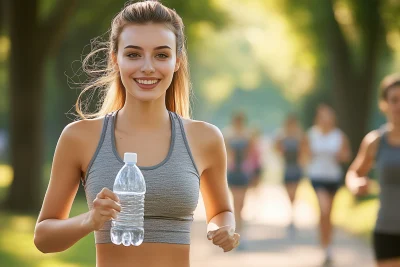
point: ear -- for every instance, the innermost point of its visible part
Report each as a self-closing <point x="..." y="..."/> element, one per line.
<point x="383" y="106"/>
<point x="177" y="64"/>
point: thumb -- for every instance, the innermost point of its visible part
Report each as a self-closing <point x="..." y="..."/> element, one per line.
<point x="211" y="234"/>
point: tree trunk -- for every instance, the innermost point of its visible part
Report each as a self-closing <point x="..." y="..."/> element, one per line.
<point x="26" y="96"/>
<point x="353" y="87"/>
<point x="31" y="44"/>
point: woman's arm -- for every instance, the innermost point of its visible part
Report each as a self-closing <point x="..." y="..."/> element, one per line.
<point x="209" y="152"/>
<point x="54" y="230"/>
<point x="278" y="144"/>
<point x="344" y="155"/>
<point x="305" y="151"/>
<point x="356" y="179"/>
<point x="214" y="186"/>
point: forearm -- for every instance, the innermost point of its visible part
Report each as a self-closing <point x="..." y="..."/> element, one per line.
<point x="344" y="156"/>
<point x="53" y="235"/>
<point x="225" y="218"/>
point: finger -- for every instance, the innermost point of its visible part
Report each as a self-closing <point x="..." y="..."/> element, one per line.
<point x="222" y="230"/>
<point x="227" y="242"/>
<point x="211" y="234"/>
<point x="107" y="214"/>
<point x="107" y="204"/>
<point x="221" y="239"/>
<point x="229" y="248"/>
<point x="107" y="193"/>
<point x="232" y="245"/>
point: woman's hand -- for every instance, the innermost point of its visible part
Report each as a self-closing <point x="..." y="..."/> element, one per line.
<point x="359" y="186"/>
<point x="105" y="207"/>
<point x="224" y="237"/>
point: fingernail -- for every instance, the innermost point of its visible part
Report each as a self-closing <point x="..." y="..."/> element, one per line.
<point x="210" y="235"/>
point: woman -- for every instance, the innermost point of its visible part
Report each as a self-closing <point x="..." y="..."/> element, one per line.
<point x="253" y="164"/>
<point x="237" y="139"/>
<point x="382" y="147"/>
<point x="326" y="148"/>
<point x="288" y="145"/>
<point x="145" y="110"/>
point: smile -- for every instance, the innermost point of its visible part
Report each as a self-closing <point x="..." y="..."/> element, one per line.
<point x="147" y="84"/>
<point x="146" y="81"/>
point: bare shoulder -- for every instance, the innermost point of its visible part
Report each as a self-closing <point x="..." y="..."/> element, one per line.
<point x="203" y="132"/>
<point x="371" y="140"/>
<point x="206" y="143"/>
<point x="80" y="138"/>
<point x="82" y="130"/>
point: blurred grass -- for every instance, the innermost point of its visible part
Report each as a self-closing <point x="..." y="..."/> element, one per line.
<point x="16" y="238"/>
<point x="356" y="216"/>
<point x="16" y="230"/>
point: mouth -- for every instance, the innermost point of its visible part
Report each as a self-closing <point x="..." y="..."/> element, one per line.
<point x="147" y="84"/>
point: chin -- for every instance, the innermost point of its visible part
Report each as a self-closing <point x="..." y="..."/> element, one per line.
<point x="147" y="96"/>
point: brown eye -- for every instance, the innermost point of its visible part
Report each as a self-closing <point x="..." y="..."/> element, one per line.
<point x="162" y="56"/>
<point x="133" y="55"/>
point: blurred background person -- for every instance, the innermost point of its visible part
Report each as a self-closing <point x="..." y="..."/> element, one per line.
<point x="288" y="144"/>
<point x="249" y="65"/>
<point x="382" y="147"/>
<point x="325" y="149"/>
<point x="237" y="141"/>
<point x="253" y="164"/>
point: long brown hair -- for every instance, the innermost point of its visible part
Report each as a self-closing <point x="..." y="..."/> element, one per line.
<point x="107" y="78"/>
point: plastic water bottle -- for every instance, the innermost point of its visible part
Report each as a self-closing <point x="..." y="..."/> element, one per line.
<point x="130" y="187"/>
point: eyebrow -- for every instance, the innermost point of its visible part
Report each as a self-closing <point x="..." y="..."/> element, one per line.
<point x="140" y="48"/>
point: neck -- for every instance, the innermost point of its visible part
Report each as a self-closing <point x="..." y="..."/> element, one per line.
<point x="394" y="128"/>
<point x="291" y="132"/>
<point x="148" y="115"/>
<point x="238" y="129"/>
<point x="325" y="129"/>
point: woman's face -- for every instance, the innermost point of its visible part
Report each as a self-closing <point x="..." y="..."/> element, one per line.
<point x="325" y="118"/>
<point x="238" y="121"/>
<point x="392" y="109"/>
<point x="291" y="125"/>
<point x="147" y="60"/>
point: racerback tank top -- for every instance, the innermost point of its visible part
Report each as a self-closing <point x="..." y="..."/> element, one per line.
<point x="388" y="172"/>
<point x="172" y="186"/>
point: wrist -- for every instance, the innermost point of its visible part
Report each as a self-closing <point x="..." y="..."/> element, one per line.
<point x="86" y="223"/>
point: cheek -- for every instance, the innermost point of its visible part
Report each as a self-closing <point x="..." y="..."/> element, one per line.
<point x="128" y="67"/>
<point x="167" y="68"/>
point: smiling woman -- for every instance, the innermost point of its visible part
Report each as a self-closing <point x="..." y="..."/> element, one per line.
<point x="145" y="110"/>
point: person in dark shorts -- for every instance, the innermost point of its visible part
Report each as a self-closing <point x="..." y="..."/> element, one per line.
<point x="237" y="140"/>
<point x="382" y="148"/>
<point x="288" y="144"/>
<point x="254" y="161"/>
<point x="326" y="149"/>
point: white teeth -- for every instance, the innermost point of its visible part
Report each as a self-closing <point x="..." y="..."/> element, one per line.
<point x="146" y="81"/>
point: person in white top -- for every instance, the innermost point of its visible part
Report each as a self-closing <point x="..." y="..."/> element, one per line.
<point x="326" y="148"/>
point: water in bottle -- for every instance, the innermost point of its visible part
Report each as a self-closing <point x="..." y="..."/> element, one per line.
<point x="130" y="187"/>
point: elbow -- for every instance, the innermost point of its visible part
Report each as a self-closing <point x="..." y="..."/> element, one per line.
<point x="39" y="244"/>
<point x="39" y="239"/>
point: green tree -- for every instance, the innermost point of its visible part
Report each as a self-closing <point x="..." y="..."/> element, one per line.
<point x="33" y="38"/>
<point x="349" y="37"/>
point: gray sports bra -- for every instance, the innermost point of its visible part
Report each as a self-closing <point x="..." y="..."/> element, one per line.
<point x="172" y="186"/>
<point x="388" y="170"/>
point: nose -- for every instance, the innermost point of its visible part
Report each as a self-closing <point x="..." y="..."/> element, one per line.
<point x="148" y="67"/>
